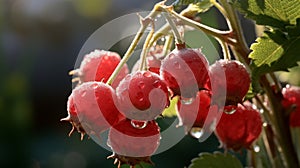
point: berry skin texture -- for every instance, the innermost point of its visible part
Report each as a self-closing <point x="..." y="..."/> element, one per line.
<point x="185" y="71"/>
<point x="239" y="129"/>
<point x="195" y="114"/>
<point x="230" y="81"/>
<point x="91" y="108"/>
<point x="133" y="145"/>
<point x="142" y="96"/>
<point x="291" y="102"/>
<point x="99" y="65"/>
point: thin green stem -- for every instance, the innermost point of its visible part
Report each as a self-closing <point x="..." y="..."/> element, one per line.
<point x="222" y="35"/>
<point x="144" y="23"/>
<point x="168" y="44"/>
<point x="225" y="50"/>
<point x="143" y="65"/>
<point x="163" y="31"/>
<point x="173" y="26"/>
<point x="240" y="47"/>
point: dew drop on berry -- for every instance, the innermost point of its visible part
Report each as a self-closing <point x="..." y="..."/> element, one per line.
<point x="187" y="101"/>
<point x="196" y="132"/>
<point x="177" y="65"/>
<point x="83" y="93"/>
<point x="140" y="96"/>
<point x="147" y="74"/>
<point x="141" y="85"/>
<point x="139" y="124"/>
<point x="157" y="84"/>
<point x="230" y="109"/>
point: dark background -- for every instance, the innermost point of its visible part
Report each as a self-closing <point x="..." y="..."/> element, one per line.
<point x="39" y="44"/>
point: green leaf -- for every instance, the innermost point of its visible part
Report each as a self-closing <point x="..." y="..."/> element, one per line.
<point x="275" y="51"/>
<point x="171" y="111"/>
<point x="270" y="12"/>
<point x="215" y="160"/>
<point x="200" y="6"/>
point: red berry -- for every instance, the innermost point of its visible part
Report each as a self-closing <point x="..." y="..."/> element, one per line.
<point x="133" y="145"/>
<point x="142" y="96"/>
<point x="185" y="71"/>
<point x="230" y="81"/>
<point x="239" y="129"/>
<point x="291" y="95"/>
<point x="91" y="108"/>
<point x="99" y="65"/>
<point x="195" y="113"/>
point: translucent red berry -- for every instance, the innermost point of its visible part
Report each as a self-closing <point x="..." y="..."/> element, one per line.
<point x="142" y="96"/>
<point x="91" y="108"/>
<point x="185" y="71"/>
<point x="239" y="129"/>
<point x="291" y="102"/>
<point x="195" y="113"/>
<point x="231" y="88"/>
<point x="133" y="145"/>
<point x="99" y="65"/>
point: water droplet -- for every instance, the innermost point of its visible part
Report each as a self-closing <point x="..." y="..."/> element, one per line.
<point x="140" y="96"/>
<point x="187" y="101"/>
<point x="177" y="65"/>
<point x="83" y="93"/>
<point x="141" y="85"/>
<point x="230" y="109"/>
<point x="196" y="132"/>
<point x="139" y="124"/>
<point x="159" y="15"/>
<point x="265" y="124"/>
<point x="128" y="77"/>
<point x="95" y="86"/>
<point x="157" y="84"/>
<point x="256" y="148"/>
<point x="147" y="74"/>
<point x="162" y="39"/>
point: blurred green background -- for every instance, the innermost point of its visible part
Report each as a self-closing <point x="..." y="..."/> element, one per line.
<point x="39" y="44"/>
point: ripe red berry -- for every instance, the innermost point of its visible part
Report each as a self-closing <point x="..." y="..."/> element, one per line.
<point x="133" y="145"/>
<point x="231" y="88"/>
<point x="142" y="96"/>
<point x="239" y="129"/>
<point x="99" y="65"/>
<point x="291" y="101"/>
<point x="195" y="113"/>
<point x="185" y="71"/>
<point x="91" y="108"/>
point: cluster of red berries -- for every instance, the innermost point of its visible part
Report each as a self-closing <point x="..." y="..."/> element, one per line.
<point x="128" y="108"/>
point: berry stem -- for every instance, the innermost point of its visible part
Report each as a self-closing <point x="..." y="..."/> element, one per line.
<point x="283" y="134"/>
<point x="222" y="35"/>
<point x="144" y="23"/>
<point x="168" y="44"/>
<point x="173" y="26"/>
<point x="225" y="49"/>
<point x="143" y="57"/>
